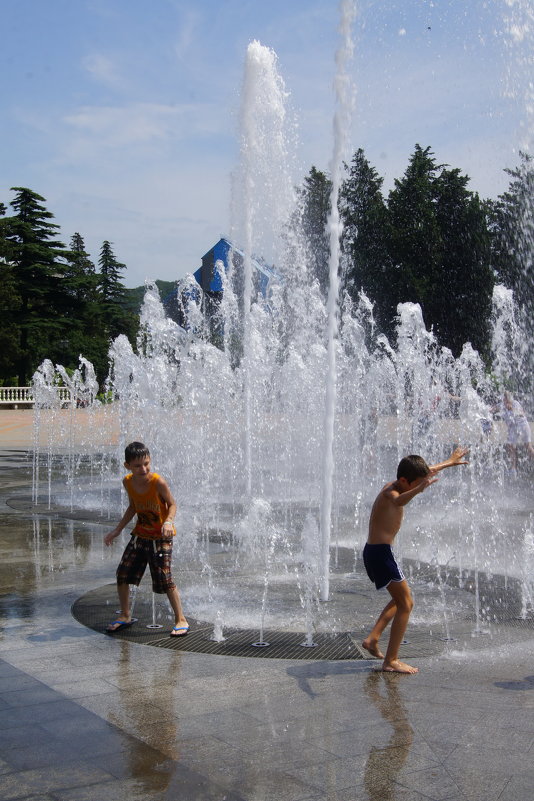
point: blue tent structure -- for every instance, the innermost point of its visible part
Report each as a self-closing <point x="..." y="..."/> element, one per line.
<point x="210" y="286"/>
<point x="208" y="277"/>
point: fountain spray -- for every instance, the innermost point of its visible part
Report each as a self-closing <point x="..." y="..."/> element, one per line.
<point x="344" y="96"/>
<point x="185" y="397"/>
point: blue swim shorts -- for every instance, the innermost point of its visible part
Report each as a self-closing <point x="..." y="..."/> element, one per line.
<point x="381" y="565"/>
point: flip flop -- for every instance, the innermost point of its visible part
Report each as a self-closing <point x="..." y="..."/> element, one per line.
<point x="177" y="629"/>
<point x="120" y="624"/>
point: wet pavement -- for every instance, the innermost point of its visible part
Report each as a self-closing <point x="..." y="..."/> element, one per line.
<point x="85" y="716"/>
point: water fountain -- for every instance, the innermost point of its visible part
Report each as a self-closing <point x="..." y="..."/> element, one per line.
<point x="275" y="453"/>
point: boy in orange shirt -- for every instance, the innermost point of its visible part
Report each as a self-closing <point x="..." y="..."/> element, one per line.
<point x="151" y="543"/>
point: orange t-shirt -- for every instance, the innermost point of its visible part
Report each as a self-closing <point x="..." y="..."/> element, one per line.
<point x="151" y="509"/>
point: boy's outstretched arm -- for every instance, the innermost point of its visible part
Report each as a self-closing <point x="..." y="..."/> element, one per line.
<point x="125" y="519"/>
<point x="399" y="498"/>
<point x="456" y="458"/>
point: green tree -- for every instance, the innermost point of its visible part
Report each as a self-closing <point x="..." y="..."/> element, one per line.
<point x="80" y="269"/>
<point x="364" y="215"/>
<point x="512" y="225"/>
<point x="9" y="307"/>
<point x="314" y="206"/>
<point x="10" y="304"/>
<point x="83" y="308"/>
<point x="512" y="228"/>
<point x="414" y="240"/>
<point x="78" y="283"/>
<point x="113" y="298"/>
<point x="465" y="267"/>
<point x="38" y="267"/>
<point x="5" y="248"/>
<point x="438" y="242"/>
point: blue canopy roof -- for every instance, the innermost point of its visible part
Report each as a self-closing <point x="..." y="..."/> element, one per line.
<point x="209" y="278"/>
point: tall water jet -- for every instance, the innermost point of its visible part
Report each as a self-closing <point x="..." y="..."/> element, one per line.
<point x="343" y="91"/>
<point x="519" y="85"/>
<point x="259" y="195"/>
<point x="507" y="341"/>
<point x="519" y="28"/>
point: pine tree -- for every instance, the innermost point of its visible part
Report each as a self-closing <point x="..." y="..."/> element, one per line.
<point x="512" y="227"/>
<point x="414" y="239"/>
<point x="113" y="296"/>
<point x="314" y="206"/>
<point x="38" y="262"/>
<point x="87" y="335"/>
<point x="364" y="216"/>
<point x="513" y="232"/>
<point x="5" y="248"/>
<point x="466" y="278"/>
<point x="9" y="306"/>
<point x="80" y="269"/>
<point x="438" y="242"/>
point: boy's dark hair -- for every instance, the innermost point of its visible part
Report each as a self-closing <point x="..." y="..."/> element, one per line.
<point x="135" y="450"/>
<point x="412" y="467"/>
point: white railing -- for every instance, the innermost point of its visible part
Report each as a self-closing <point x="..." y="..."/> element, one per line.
<point x="16" y="395"/>
<point x="13" y="396"/>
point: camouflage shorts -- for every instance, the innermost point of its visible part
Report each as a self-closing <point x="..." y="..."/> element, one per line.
<point x="138" y="553"/>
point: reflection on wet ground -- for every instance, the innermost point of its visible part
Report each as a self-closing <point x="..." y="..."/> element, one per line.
<point x="84" y="716"/>
<point x="385" y="762"/>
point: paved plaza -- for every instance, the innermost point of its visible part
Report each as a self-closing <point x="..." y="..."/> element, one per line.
<point x="86" y="717"/>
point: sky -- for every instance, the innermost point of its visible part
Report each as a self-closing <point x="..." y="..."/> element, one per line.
<point x="124" y="114"/>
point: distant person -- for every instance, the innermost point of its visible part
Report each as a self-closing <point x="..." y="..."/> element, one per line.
<point x="413" y="477"/>
<point x="151" y="542"/>
<point x="518" y="429"/>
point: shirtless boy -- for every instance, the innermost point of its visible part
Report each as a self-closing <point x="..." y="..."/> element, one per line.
<point x="413" y="477"/>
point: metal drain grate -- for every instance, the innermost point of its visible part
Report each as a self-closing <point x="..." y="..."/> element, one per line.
<point x="279" y="644"/>
<point x="94" y="610"/>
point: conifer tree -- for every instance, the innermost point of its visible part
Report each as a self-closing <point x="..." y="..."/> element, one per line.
<point x="113" y="296"/>
<point x="512" y="227"/>
<point x="38" y="264"/>
<point x="9" y="307"/>
<point x="314" y="206"/>
<point x="414" y="239"/>
<point x="364" y="216"/>
<point x="513" y="232"/>
<point x="438" y="244"/>
<point x="465" y="280"/>
<point x="88" y="336"/>
<point x="80" y="269"/>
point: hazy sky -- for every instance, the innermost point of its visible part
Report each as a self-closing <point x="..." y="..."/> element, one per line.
<point x="124" y="114"/>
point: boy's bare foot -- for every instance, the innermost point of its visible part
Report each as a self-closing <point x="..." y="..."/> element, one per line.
<point x="396" y="666"/>
<point x="372" y="647"/>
